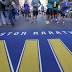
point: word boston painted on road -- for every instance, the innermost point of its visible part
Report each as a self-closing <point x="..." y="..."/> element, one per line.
<point x="35" y="33"/>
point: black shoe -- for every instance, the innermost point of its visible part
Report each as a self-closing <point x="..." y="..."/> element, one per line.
<point x="13" y="24"/>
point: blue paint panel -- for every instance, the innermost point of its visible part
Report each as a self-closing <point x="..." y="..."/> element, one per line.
<point x="15" y="46"/>
<point x="48" y="61"/>
<point x="67" y="41"/>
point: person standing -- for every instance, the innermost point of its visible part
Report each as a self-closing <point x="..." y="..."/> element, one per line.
<point x="2" y="12"/>
<point x="26" y="9"/>
<point x="55" y="11"/>
<point x="49" y="11"/>
<point x="64" y="7"/>
<point x="35" y="5"/>
<point x="11" y="13"/>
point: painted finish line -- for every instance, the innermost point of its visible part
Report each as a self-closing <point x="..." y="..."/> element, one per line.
<point x="36" y="56"/>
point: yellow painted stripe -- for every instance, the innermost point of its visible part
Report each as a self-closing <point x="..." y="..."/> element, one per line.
<point x="30" y="62"/>
<point x="4" y="66"/>
<point x="63" y="55"/>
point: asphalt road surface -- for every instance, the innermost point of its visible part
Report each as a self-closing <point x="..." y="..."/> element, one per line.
<point x="23" y="24"/>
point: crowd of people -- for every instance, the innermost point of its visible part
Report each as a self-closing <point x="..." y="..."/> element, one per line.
<point x="54" y="9"/>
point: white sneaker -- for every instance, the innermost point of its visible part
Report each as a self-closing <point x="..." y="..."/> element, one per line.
<point x="47" y="22"/>
<point x="63" y="22"/>
<point x="56" y="19"/>
<point x="57" y="22"/>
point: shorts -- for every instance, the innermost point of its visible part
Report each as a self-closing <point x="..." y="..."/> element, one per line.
<point x="26" y="12"/>
<point x="62" y="14"/>
<point x="55" y="12"/>
<point x="35" y="13"/>
<point x="49" y="11"/>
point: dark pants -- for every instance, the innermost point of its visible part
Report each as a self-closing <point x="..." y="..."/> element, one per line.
<point x="4" y="13"/>
<point x="11" y="18"/>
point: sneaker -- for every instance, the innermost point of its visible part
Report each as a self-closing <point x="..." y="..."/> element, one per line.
<point x="32" y="22"/>
<point x="56" y="19"/>
<point x="57" y="22"/>
<point x="63" y="22"/>
<point x="47" y="22"/>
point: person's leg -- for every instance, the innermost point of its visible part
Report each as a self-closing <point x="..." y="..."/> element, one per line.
<point x="47" y="16"/>
<point x="33" y="16"/>
<point x="63" y="19"/>
<point x="28" y="15"/>
<point x="42" y="12"/>
<point x="22" y="13"/>
<point x="62" y="16"/>
<point x="58" y="15"/>
<point x="55" y="14"/>
<point x="25" y="14"/>
<point x="11" y="18"/>
<point x="36" y="14"/>
<point x="50" y="14"/>
<point x="13" y="15"/>
<point x="3" y="18"/>
<point x="4" y="14"/>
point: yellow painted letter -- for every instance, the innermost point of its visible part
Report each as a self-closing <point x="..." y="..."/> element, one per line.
<point x="4" y="65"/>
<point x="63" y="55"/>
<point x="30" y="59"/>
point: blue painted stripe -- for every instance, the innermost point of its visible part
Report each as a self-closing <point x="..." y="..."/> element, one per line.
<point x="67" y="40"/>
<point x="15" y="46"/>
<point x="49" y="63"/>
